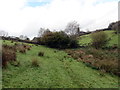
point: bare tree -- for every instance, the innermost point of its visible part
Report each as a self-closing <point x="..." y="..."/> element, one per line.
<point x="3" y="33"/>
<point x="43" y="31"/>
<point x="23" y="37"/>
<point x="26" y="38"/>
<point x="72" y="28"/>
<point x="47" y="31"/>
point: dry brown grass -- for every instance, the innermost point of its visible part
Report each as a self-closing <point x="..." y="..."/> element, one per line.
<point x="22" y="48"/>
<point x="8" y="54"/>
<point x="104" y="60"/>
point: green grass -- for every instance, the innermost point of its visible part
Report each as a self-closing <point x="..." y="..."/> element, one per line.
<point x="8" y="42"/>
<point x="54" y="71"/>
<point x="85" y="39"/>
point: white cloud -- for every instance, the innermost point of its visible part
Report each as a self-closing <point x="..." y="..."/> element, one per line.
<point x="17" y="18"/>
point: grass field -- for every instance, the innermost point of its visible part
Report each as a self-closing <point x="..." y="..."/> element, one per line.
<point x="54" y="71"/>
<point x="86" y="39"/>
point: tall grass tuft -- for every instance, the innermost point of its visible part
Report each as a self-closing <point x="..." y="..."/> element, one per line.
<point x="41" y="54"/>
<point x="35" y="62"/>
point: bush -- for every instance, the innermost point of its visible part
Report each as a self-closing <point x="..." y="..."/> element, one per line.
<point x="35" y="62"/>
<point x="16" y="44"/>
<point x="22" y="50"/>
<point x="99" y="39"/>
<point x="41" y="54"/>
<point x="12" y="41"/>
<point x="22" y="47"/>
<point x="73" y="42"/>
<point x="15" y="63"/>
<point x="8" y="54"/>
<point x="99" y="59"/>
<point x="27" y="47"/>
<point x="58" y="40"/>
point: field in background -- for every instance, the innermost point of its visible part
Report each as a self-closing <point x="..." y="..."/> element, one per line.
<point x="86" y="40"/>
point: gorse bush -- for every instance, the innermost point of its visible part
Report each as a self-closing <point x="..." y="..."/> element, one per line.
<point x="59" y="40"/>
<point x="99" y="39"/>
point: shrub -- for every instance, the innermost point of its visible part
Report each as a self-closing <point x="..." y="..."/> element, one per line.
<point x="35" y="62"/>
<point x="97" y="53"/>
<point x="73" y="42"/>
<point x="27" y="47"/>
<point x="8" y="54"/>
<point x="22" y="50"/>
<point x="15" y="63"/>
<point x="55" y="51"/>
<point x="41" y="54"/>
<point x="12" y="41"/>
<point x="15" y="44"/>
<point x="104" y="60"/>
<point x="110" y="66"/>
<point x="22" y="47"/>
<point x="36" y="44"/>
<point x="99" y="39"/>
<point x="58" y="40"/>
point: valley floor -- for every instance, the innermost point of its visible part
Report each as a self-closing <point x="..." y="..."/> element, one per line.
<point x="54" y="71"/>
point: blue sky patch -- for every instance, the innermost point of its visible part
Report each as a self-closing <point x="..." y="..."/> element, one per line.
<point x="35" y="4"/>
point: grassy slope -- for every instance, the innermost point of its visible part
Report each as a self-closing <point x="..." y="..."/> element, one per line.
<point x="54" y="71"/>
<point x="85" y="39"/>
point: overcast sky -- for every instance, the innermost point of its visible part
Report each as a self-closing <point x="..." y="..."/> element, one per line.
<point x="27" y="16"/>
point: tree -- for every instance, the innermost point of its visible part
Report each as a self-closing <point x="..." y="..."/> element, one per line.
<point x="72" y="28"/>
<point x="99" y="39"/>
<point x="23" y="37"/>
<point x="115" y="26"/>
<point x="26" y="38"/>
<point x="47" y="31"/>
<point x="58" y="40"/>
<point x="43" y="31"/>
<point x="3" y="33"/>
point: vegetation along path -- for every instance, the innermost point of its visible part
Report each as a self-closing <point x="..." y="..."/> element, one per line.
<point x="55" y="70"/>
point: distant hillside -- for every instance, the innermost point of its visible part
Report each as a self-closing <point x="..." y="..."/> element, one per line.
<point x="114" y="25"/>
<point x="85" y="40"/>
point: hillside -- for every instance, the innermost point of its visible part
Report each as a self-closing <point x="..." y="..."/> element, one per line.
<point x="85" y="40"/>
<point x="114" y="26"/>
<point x="56" y="70"/>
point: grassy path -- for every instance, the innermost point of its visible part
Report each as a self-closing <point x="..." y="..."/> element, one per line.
<point x="55" y="71"/>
